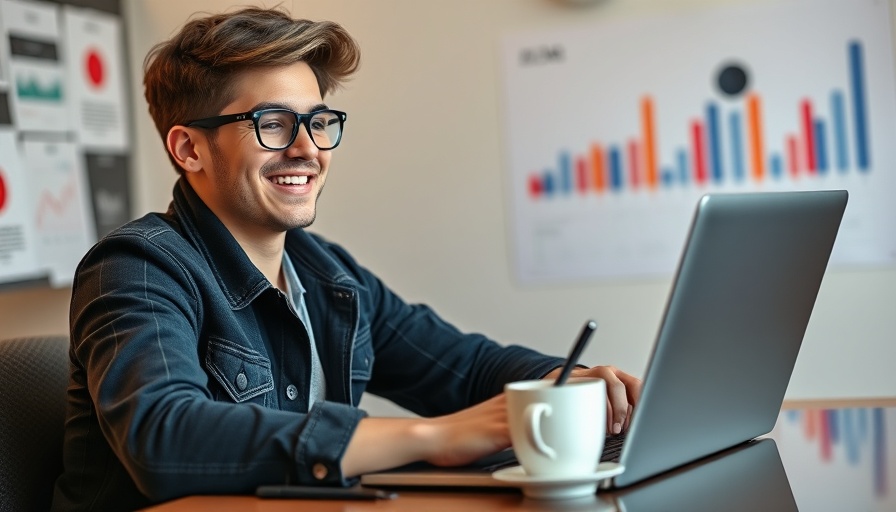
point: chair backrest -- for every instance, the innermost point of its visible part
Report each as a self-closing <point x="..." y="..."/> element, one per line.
<point x="34" y="375"/>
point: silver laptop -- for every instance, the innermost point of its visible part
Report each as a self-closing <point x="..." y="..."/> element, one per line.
<point x="739" y="306"/>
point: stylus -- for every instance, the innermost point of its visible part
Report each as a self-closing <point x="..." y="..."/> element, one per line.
<point x="576" y="352"/>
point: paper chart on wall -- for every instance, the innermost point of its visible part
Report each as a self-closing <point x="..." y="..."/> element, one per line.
<point x="614" y="130"/>
<point x="92" y="45"/>
<point x="37" y="76"/>
<point x="59" y="207"/>
<point x="18" y="260"/>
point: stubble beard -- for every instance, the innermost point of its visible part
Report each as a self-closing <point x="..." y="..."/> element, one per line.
<point x="255" y="215"/>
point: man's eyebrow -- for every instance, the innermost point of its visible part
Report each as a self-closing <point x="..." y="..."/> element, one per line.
<point x="271" y="104"/>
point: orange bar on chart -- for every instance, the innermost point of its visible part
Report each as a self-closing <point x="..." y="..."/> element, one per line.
<point x="754" y="133"/>
<point x="597" y="168"/>
<point x="792" y="155"/>
<point x="649" y="134"/>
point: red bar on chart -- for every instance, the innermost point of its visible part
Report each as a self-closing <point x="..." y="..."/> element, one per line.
<point x="634" y="164"/>
<point x="534" y="186"/>
<point x="598" y="168"/>
<point x="649" y="134"/>
<point x="581" y="175"/>
<point x="698" y="142"/>
<point x="754" y="130"/>
<point x="808" y="134"/>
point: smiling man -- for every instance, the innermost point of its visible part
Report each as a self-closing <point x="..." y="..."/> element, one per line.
<point x="220" y="346"/>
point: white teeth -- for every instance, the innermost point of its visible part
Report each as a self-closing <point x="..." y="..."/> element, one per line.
<point x="291" y="180"/>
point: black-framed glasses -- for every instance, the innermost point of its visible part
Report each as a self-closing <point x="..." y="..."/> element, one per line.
<point x="277" y="128"/>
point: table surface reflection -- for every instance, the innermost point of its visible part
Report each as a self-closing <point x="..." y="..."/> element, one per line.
<point x="821" y="455"/>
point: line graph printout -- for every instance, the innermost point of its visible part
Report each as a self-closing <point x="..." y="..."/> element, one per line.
<point x="59" y="207"/>
<point x="17" y="251"/>
<point x="614" y="130"/>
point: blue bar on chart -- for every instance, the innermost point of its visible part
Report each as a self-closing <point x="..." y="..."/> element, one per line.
<point x="858" y="104"/>
<point x="839" y="131"/>
<point x="712" y="135"/>
<point x="565" y="173"/>
<point x="737" y="150"/>
<point x="615" y="168"/>
<point x="548" y="184"/>
<point x="683" y="166"/>
<point x="821" y="153"/>
<point x="776" y="166"/>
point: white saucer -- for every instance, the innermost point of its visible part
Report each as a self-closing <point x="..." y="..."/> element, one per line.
<point x="558" y="487"/>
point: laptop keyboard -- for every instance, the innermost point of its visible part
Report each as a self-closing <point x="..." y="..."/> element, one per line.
<point x="612" y="447"/>
<point x="611" y="453"/>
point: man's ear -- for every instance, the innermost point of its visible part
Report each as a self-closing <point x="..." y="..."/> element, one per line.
<point x="183" y="144"/>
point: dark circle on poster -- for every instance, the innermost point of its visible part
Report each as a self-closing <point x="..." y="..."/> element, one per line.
<point x="94" y="68"/>
<point x="733" y="79"/>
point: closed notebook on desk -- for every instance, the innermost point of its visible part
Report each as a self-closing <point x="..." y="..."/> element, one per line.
<point x="735" y="318"/>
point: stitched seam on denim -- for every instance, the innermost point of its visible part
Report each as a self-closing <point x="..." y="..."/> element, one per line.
<point x="422" y="352"/>
<point x="152" y="307"/>
<point x="149" y="237"/>
<point x="313" y="417"/>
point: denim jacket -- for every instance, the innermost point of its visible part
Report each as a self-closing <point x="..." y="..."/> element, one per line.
<point x="190" y="372"/>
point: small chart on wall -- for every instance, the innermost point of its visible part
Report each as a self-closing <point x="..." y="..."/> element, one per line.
<point x="615" y="130"/>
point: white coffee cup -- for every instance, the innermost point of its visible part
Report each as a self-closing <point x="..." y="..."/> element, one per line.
<point x="557" y="431"/>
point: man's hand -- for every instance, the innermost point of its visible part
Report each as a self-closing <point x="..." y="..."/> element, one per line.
<point x="451" y="440"/>
<point x="623" y="392"/>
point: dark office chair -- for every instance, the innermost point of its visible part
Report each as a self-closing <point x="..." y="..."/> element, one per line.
<point x="33" y="380"/>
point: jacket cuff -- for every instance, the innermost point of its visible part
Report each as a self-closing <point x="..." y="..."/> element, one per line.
<point x="322" y="443"/>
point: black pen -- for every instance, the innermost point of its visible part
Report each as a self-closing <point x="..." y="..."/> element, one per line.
<point x="577" y="348"/>
<point x="322" y="493"/>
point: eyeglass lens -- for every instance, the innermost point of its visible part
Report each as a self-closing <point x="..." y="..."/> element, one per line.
<point x="277" y="128"/>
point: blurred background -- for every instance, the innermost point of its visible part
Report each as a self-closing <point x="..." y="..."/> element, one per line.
<point x="452" y="145"/>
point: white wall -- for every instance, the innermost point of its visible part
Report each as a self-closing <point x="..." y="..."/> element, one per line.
<point x="426" y="209"/>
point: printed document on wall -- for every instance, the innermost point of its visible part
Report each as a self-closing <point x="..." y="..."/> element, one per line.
<point x="60" y="207"/>
<point x="18" y="260"/>
<point x="37" y="75"/>
<point x="616" y="128"/>
<point x="96" y="78"/>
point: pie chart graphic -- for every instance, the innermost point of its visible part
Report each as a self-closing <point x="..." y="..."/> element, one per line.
<point x="95" y="68"/>
<point x="2" y="192"/>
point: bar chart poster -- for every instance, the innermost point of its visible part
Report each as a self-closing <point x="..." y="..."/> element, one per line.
<point x="614" y="130"/>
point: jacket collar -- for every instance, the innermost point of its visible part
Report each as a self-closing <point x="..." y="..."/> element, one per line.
<point x="238" y="277"/>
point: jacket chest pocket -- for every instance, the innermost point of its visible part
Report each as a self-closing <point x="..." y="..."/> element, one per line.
<point x="242" y="373"/>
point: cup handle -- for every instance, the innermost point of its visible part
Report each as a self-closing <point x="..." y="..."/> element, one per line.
<point x="533" y="414"/>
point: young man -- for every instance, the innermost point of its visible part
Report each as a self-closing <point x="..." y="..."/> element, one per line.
<point x="220" y="346"/>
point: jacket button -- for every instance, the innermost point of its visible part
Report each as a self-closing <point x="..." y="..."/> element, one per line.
<point x="320" y="471"/>
<point x="241" y="381"/>
<point x="291" y="392"/>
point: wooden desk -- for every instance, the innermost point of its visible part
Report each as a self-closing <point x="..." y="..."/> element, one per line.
<point x="823" y="456"/>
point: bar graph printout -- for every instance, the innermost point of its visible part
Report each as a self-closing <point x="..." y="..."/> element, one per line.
<point x="614" y="130"/>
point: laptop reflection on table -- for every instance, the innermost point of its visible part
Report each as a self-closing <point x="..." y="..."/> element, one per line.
<point x="746" y="478"/>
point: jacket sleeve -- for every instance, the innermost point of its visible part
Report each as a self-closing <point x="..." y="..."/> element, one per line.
<point x="426" y="365"/>
<point x="136" y="322"/>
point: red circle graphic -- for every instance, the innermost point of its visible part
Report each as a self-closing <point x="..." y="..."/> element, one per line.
<point x="95" y="69"/>
<point x="2" y="192"/>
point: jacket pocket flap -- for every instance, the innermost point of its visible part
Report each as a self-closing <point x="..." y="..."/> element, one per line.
<point x="242" y="372"/>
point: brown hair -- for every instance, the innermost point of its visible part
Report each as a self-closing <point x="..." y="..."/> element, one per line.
<point x="192" y="75"/>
